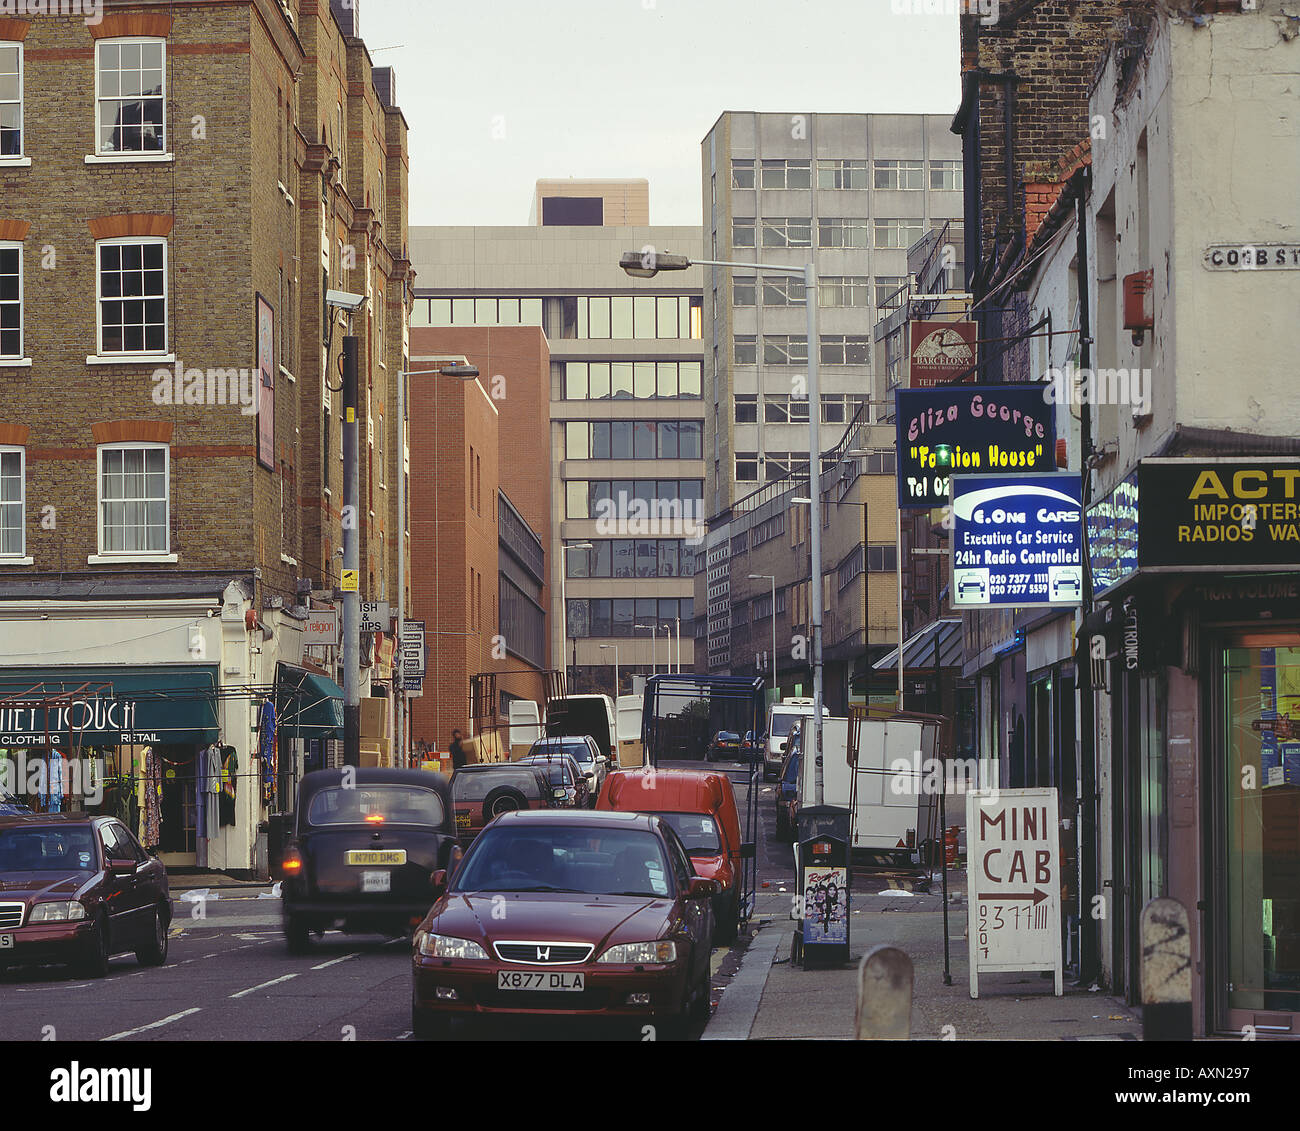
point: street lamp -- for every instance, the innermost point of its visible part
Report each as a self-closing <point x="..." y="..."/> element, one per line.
<point x="464" y="372"/>
<point x="772" y="578"/>
<point x="653" y="651"/>
<point x="564" y="605"/>
<point x="615" y="647"/>
<point x="648" y="263"/>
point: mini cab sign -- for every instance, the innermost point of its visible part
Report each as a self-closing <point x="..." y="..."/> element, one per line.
<point x="1014" y="882"/>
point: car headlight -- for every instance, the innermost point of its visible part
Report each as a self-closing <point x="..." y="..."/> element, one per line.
<point x="57" y="912"/>
<point x="446" y="946"/>
<point x="641" y="953"/>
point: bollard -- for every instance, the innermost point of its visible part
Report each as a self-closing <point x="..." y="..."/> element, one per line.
<point x="1166" y="972"/>
<point x="884" y="996"/>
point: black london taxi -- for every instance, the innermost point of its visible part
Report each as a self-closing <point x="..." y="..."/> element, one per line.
<point x="364" y="846"/>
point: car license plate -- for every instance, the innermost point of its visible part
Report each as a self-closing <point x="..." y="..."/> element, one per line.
<point x="6" y="942"/>
<point x="391" y="858"/>
<point x="376" y="881"/>
<point x="462" y="820"/>
<point x="565" y="980"/>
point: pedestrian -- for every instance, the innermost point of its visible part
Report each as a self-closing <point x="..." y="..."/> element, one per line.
<point x="457" y="751"/>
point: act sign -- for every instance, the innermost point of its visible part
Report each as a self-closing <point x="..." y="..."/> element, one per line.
<point x="1014" y="882"/>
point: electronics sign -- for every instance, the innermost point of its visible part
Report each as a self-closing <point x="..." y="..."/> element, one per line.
<point x="1016" y="540"/>
<point x="969" y="428"/>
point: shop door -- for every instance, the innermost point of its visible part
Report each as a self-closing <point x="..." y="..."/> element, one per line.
<point x="1256" y="861"/>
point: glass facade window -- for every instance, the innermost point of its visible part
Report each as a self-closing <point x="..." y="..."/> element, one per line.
<point x="844" y="290"/>
<point x="899" y="235"/>
<point x="787" y="231"/>
<point x="742" y="290"/>
<point x="842" y="174"/>
<point x="946" y="176"/>
<point x="845" y="349"/>
<point x="783" y="290"/>
<point x="746" y="408"/>
<point x="667" y="499"/>
<point x="785" y="349"/>
<point x="618" y="617"/>
<point x="842" y="231"/>
<point x="742" y="232"/>
<point x="745" y="349"/>
<point x="900" y="175"/>
<point x="742" y="174"/>
<point x="786" y="175"/>
<point x="889" y="292"/>
<point x="626" y="380"/>
<point x="130" y="94"/>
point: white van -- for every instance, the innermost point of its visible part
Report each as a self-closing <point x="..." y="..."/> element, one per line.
<point x="585" y="714"/>
<point x="631" y="751"/>
<point x="525" y="720"/>
<point x="781" y="717"/>
<point x="892" y="811"/>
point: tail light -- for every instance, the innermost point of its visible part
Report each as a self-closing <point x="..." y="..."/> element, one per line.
<point x="291" y="863"/>
<point x="374" y="818"/>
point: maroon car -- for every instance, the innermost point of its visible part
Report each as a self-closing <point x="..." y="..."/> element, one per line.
<point x="572" y="913"/>
<point x="76" y="890"/>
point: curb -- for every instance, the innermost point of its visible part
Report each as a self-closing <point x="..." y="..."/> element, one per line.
<point x="740" y="1000"/>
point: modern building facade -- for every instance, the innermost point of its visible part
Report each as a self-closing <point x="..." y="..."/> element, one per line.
<point x="624" y="421"/>
<point x="167" y="437"/>
<point x="591" y="203"/>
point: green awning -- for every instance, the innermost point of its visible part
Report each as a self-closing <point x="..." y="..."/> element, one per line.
<point x="307" y="705"/>
<point x="105" y="706"/>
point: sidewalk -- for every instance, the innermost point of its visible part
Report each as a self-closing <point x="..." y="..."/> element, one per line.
<point x="771" y="999"/>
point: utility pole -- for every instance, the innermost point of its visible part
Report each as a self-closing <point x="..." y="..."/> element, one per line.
<point x="351" y="560"/>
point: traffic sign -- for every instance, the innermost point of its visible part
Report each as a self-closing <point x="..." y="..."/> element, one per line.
<point x="349" y="580"/>
<point x="375" y="616"/>
<point x="1013" y="879"/>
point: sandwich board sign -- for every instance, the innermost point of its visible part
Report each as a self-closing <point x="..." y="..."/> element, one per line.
<point x="1014" y="882"/>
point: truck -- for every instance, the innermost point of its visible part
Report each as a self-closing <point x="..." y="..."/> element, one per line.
<point x="781" y="717"/>
<point x="883" y="786"/>
<point x="585" y="714"/>
<point x="631" y="750"/>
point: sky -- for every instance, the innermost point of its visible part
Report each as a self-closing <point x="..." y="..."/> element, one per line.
<point x="498" y="93"/>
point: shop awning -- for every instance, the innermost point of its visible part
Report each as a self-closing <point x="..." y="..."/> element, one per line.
<point x="918" y="652"/>
<point x="307" y="704"/>
<point x="105" y="706"/>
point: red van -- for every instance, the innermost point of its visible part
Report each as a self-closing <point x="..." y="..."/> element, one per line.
<point x="700" y="805"/>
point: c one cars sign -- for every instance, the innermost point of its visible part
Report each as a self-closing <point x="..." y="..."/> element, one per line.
<point x="969" y="428"/>
<point x="1016" y="540"/>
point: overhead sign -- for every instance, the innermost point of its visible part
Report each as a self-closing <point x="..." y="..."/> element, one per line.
<point x="969" y="428"/>
<point x="412" y="644"/>
<point x="1253" y="257"/>
<point x="321" y="627"/>
<point x="375" y="616"/>
<point x="1016" y="540"/>
<point x="1113" y="536"/>
<point x="1013" y="882"/>
<point x="1208" y="514"/>
<point x="940" y="351"/>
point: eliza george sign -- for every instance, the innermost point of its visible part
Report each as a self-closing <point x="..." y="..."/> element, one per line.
<point x="1240" y="513"/>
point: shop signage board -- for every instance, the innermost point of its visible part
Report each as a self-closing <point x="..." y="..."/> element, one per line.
<point x="1014" y="882"/>
<point x="1113" y="536"/>
<point x="970" y="429"/>
<point x="412" y="659"/>
<point x="375" y="616"/>
<point x="1216" y="514"/>
<point x="321" y="627"/>
<point x="940" y="351"/>
<point x="1016" y="541"/>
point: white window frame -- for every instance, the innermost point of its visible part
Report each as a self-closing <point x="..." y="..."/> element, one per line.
<point x="100" y="155"/>
<point x="19" y="358"/>
<point x="100" y="354"/>
<point x="19" y="159"/>
<point x="942" y="167"/>
<point x="114" y="556"/>
<point x="899" y="167"/>
<point x="891" y="227"/>
<point x="19" y="558"/>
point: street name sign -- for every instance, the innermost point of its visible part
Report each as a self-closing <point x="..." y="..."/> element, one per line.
<point x="1013" y="877"/>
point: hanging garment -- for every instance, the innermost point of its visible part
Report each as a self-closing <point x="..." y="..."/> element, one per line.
<point x="268" y="750"/>
<point x="209" y="791"/>
<point x="226" y="798"/>
<point x="152" y="831"/>
<point x="56" y="782"/>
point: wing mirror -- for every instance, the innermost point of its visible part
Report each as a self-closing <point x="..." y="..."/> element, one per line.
<point x="700" y="888"/>
<point x="121" y="867"/>
<point x="438" y="881"/>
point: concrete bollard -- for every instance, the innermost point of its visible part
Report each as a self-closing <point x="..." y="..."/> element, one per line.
<point x="884" y="996"/>
<point x="1166" y="972"/>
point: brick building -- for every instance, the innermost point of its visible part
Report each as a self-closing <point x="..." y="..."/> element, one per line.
<point x="182" y="181"/>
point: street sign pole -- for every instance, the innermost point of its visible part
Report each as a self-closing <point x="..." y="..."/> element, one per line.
<point x="351" y="561"/>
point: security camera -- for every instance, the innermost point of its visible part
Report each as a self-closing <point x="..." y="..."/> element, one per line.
<point x="344" y="300"/>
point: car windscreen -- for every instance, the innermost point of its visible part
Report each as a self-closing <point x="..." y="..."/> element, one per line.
<point x="582" y="859"/>
<point x="47" y="850"/>
<point x="728" y="736"/>
<point x="476" y="786"/>
<point x="699" y="832"/>
<point x="782" y="723"/>
<point x="376" y="804"/>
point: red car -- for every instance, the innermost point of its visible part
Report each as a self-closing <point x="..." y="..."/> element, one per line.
<point x="76" y="890"/>
<point x="568" y="913"/>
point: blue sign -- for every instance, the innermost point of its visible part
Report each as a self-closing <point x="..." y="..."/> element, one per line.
<point x="959" y="429"/>
<point x="1017" y="540"/>
<point x="1113" y="536"/>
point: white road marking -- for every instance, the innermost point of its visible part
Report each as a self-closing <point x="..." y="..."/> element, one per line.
<point x="152" y="1025"/>
<point x="336" y="961"/>
<point x="403" y="1036"/>
<point x="264" y="985"/>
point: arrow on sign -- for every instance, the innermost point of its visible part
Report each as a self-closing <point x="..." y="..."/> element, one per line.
<point x="1037" y="895"/>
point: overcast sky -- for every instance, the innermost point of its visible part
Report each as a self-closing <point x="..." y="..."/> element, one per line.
<point x="501" y="92"/>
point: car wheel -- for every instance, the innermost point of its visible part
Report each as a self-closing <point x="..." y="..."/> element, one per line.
<point x="154" y="952"/>
<point x="297" y="935"/>
<point x="95" y="964"/>
<point x="503" y="799"/>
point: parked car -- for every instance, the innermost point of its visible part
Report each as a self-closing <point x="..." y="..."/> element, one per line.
<point x="787" y="791"/>
<point x="481" y="792"/>
<point x="10" y="805"/>
<point x="602" y="917"/>
<point x="77" y="889"/>
<point x="701" y="807"/>
<point x="781" y="717"/>
<point x="585" y="752"/>
<point x="751" y="746"/>
<point x="725" y="744"/>
<point x="364" y="847"/>
<point x="563" y="772"/>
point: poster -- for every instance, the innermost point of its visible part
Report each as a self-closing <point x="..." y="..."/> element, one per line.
<point x="825" y="906"/>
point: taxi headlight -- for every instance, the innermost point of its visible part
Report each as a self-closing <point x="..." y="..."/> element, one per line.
<point x="57" y="912"/>
<point x="447" y="946"/>
<point x="642" y="953"/>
